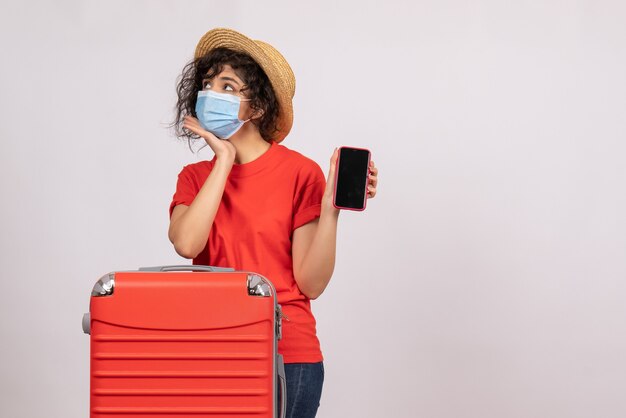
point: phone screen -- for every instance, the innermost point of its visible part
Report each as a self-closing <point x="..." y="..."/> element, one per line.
<point x="352" y="173"/>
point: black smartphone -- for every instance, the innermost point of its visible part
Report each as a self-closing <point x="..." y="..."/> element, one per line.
<point x="351" y="178"/>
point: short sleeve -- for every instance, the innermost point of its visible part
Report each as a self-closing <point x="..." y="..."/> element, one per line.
<point x="185" y="190"/>
<point x="308" y="198"/>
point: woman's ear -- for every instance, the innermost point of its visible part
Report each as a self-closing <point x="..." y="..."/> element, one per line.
<point x="258" y="114"/>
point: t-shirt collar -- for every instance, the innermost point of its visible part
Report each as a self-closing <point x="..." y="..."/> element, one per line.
<point x="254" y="166"/>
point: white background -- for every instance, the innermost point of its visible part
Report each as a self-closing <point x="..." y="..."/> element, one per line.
<point x="486" y="279"/>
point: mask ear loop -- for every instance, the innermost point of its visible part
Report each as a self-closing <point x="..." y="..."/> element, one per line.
<point x="245" y="100"/>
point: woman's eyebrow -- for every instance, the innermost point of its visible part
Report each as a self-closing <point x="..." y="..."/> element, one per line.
<point x="230" y="79"/>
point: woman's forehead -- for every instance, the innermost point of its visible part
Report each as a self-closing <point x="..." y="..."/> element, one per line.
<point x="227" y="71"/>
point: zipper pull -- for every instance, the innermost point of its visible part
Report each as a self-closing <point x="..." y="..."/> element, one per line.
<point x="281" y="315"/>
<point x="279" y="321"/>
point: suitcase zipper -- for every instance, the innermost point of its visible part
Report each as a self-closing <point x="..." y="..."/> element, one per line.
<point x="279" y="321"/>
<point x="279" y="311"/>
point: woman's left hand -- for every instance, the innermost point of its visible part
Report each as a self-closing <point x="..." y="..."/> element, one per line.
<point x="372" y="180"/>
<point x="372" y="183"/>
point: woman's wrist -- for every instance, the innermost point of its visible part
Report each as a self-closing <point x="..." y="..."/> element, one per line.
<point x="328" y="209"/>
<point x="224" y="163"/>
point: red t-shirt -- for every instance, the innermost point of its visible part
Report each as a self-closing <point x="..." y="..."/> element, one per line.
<point x="264" y="201"/>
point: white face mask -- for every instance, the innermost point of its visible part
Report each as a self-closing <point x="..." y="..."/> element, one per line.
<point x="218" y="113"/>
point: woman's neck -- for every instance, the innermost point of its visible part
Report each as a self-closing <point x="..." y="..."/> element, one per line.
<point x="249" y="144"/>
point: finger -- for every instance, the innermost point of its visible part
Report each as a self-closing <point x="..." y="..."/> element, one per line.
<point x="194" y="125"/>
<point x="201" y="132"/>
<point x="330" y="180"/>
<point x="373" y="180"/>
<point x="371" y="192"/>
<point x="195" y="129"/>
<point x="190" y="127"/>
<point x="333" y="160"/>
<point x="189" y="121"/>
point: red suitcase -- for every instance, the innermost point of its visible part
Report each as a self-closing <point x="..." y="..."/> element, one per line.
<point x="181" y="341"/>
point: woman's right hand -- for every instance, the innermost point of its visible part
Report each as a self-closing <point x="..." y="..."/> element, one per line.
<point x="222" y="148"/>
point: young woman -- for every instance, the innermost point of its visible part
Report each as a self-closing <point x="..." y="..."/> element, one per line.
<point x="257" y="205"/>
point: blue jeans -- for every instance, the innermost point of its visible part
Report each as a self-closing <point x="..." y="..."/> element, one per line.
<point x="304" y="388"/>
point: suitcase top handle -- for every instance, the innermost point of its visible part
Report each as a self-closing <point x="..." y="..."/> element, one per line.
<point x="186" y="267"/>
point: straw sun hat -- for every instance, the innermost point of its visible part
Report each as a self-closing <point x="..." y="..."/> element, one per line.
<point x="273" y="63"/>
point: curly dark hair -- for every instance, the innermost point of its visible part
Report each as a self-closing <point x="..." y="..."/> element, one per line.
<point x="257" y="87"/>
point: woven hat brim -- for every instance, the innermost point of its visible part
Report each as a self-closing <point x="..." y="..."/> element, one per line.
<point x="271" y="61"/>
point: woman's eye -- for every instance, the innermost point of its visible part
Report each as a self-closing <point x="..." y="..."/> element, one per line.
<point x="206" y="85"/>
<point x="227" y="87"/>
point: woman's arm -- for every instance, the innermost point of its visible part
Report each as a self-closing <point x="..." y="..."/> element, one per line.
<point x="190" y="229"/>
<point x="313" y="251"/>
<point x="314" y="244"/>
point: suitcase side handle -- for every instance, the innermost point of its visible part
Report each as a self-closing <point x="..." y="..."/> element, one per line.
<point x="186" y="267"/>
<point x="283" y="385"/>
